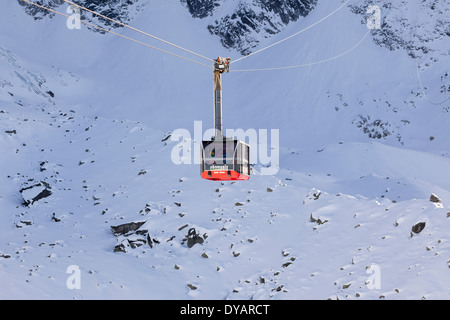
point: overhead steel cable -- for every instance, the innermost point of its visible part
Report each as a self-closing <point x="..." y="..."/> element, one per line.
<point x="137" y="30"/>
<point x="295" y="34"/>
<point x="311" y="63"/>
<point x="117" y="34"/>
<point x="191" y="52"/>
<point x="423" y="89"/>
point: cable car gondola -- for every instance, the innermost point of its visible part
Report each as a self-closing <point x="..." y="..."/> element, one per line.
<point x="225" y="160"/>
<point x="222" y="158"/>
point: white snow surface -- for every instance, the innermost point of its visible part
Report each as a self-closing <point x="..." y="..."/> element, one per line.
<point x="98" y="144"/>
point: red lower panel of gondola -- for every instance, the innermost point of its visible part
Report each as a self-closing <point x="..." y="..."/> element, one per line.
<point x="224" y="175"/>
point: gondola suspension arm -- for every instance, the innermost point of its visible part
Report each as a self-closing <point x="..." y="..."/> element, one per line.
<point x="221" y="65"/>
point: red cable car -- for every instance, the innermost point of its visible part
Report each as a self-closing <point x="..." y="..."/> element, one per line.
<point x="223" y="159"/>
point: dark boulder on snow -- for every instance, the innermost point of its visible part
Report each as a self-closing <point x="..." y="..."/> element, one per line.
<point x="131" y="242"/>
<point x="126" y="227"/>
<point x="417" y="228"/>
<point x="125" y="244"/>
<point x="35" y="193"/>
<point x="131" y="236"/>
<point x="136" y="243"/>
<point x="193" y="238"/>
<point x="120" y="248"/>
<point x="434" y="198"/>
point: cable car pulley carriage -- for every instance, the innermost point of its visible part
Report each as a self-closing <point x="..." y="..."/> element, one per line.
<point x="222" y="158"/>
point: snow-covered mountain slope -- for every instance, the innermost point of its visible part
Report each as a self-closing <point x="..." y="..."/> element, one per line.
<point x="88" y="125"/>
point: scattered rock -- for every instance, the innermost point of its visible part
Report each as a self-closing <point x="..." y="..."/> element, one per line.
<point x="54" y="218"/>
<point x="279" y="288"/>
<point x="126" y="228"/>
<point x="193" y="238"/>
<point x="238" y="204"/>
<point x="269" y="189"/>
<point x="41" y="166"/>
<point x="317" y="195"/>
<point x="417" y="228"/>
<point x="24" y="222"/>
<point x="318" y="221"/>
<point x="149" y="241"/>
<point x="125" y="243"/>
<point x="191" y="286"/>
<point x="166" y="138"/>
<point x="434" y="198"/>
<point x="120" y="248"/>
<point x="134" y="243"/>
<point x="131" y="236"/>
<point x="35" y="193"/>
